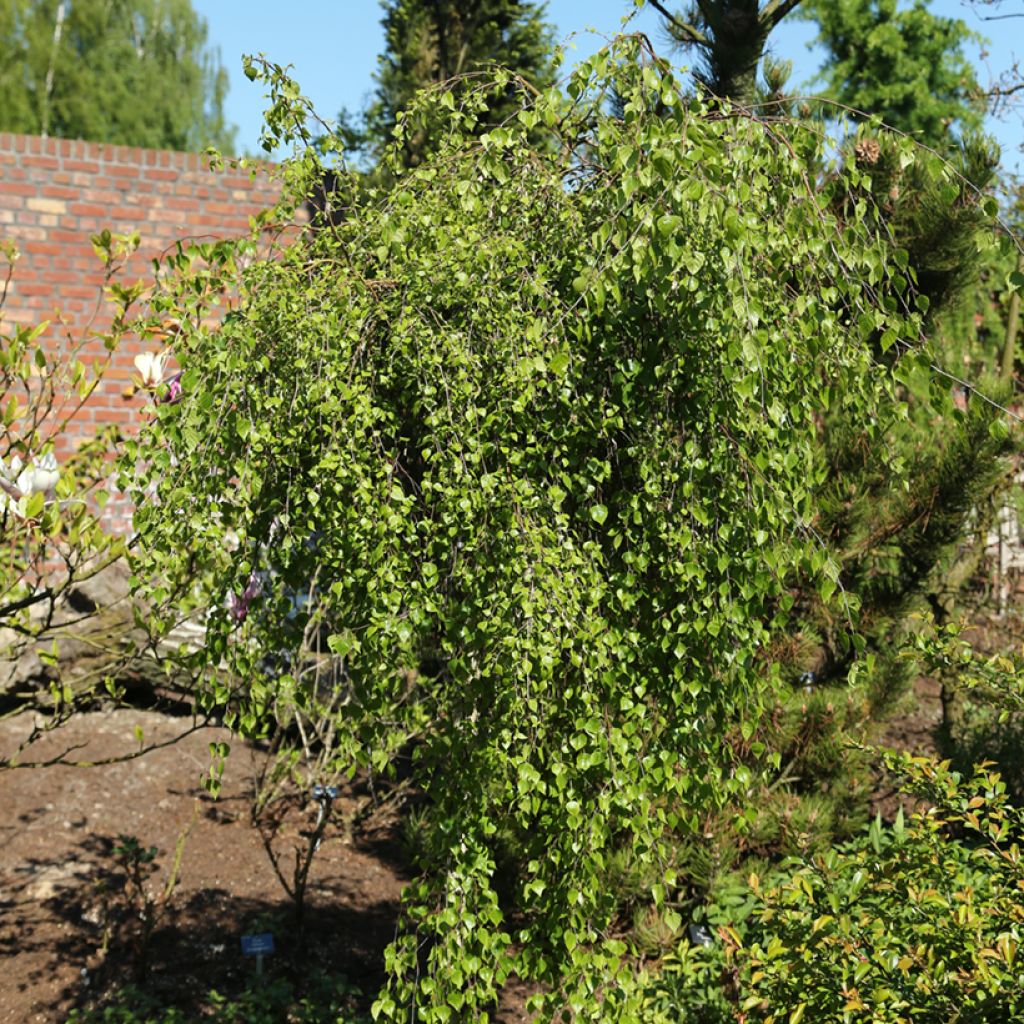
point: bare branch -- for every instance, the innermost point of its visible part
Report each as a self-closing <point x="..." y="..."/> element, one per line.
<point x="26" y="602"/>
<point x="998" y="92"/>
<point x="61" y="758"/>
<point x="992" y="17"/>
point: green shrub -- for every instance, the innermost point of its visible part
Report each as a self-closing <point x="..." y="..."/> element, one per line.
<point x="536" y="434"/>
<point x="916" y="922"/>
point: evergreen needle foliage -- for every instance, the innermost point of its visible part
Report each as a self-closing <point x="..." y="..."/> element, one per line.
<point x="900" y="62"/>
<point x="729" y="38"/>
<point x="431" y="43"/>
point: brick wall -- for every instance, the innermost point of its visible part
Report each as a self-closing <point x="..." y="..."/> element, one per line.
<point x="55" y="194"/>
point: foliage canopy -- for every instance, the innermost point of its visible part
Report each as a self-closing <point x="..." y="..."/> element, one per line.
<point x="902" y="63"/>
<point x="427" y="44"/>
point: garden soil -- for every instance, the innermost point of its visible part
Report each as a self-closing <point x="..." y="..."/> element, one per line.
<point x="61" y="888"/>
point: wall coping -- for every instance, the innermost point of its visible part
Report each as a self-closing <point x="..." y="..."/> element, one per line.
<point x="133" y="156"/>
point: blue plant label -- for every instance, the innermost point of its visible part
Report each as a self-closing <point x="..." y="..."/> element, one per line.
<point x="258" y="945"/>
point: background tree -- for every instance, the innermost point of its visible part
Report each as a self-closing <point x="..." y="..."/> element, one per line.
<point x="905" y="64"/>
<point x="427" y="43"/>
<point x="132" y="72"/>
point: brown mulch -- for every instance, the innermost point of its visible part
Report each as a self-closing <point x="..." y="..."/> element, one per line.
<point x="59" y="879"/>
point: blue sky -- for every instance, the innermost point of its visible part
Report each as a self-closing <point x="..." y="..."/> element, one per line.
<point x="333" y="45"/>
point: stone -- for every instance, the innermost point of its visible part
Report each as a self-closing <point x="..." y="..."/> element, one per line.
<point x="93" y="626"/>
<point x="104" y="589"/>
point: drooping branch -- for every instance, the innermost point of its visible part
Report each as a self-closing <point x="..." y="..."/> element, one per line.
<point x="993" y="17"/>
<point x="1012" y="327"/>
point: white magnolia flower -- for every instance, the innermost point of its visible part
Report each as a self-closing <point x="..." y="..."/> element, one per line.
<point x="20" y="481"/>
<point x="39" y="478"/>
<point x="151" y="368"/>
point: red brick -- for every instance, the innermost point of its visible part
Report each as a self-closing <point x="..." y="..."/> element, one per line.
<point x="89" y="210"/>
<point x="26" y="231"/>
<point x="33" y="288"/>
<point x="181" y="203"/>
<point x="159" y="216"/>
<point x="107" y="415"/>
<point x="164" y="196"/>
<point x="75" y="291"/>
<point x="44" y="249"/>
<point x="49" y="163"/>
<point x="99" y="195"/>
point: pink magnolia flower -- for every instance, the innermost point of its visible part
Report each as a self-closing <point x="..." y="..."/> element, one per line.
<point x="238" y="604"/>
<point x="174" y="390"/>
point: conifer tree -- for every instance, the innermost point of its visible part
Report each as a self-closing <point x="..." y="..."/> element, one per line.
<point x="428" y="43"/>
<point x="892" y="520"/>
<point x="905" y="64"/>
<point x="729" y="37"/>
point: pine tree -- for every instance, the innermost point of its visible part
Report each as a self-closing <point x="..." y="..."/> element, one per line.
<point x="428" y="43"/>
<point x="893" y="522"/>
<point x="130" y="72"/>
<point x="730" y="38"/>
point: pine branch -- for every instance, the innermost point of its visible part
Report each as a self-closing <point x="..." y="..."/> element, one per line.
<point x="776" y="10"/>
<point x="709" y="14"/>
<point x="687" y="33"/>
